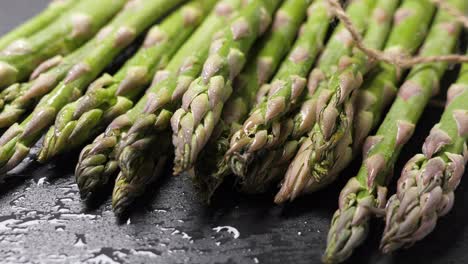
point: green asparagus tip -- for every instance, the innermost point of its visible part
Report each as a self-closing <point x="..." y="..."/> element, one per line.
<point x="96" y="166"/>
<point x="122" y="197"/>
<point x="349" y="229"/>
<point x="297" y="177"/>
<point x="86" y="186"/>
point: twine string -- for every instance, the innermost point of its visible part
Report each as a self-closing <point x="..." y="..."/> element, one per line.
<point x="400" y="60"/>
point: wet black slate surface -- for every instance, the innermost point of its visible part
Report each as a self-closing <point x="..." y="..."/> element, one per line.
<point x="42" y="219"/>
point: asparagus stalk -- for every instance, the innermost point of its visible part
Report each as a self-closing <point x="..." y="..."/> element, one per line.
<point x="211" y="168"/>
<point x="98" y="161"/>
<point x="15" y="144"/>
<point x="323" y="155"/>
<point x="68" y="32"/>
<point x="40" y="21"/>
<point x="252" y="165"/>
<point x="426" y="187"/>
<point x="366" y="191"/>
<point x="203" y="102"/>
<point x="111" y="96"/>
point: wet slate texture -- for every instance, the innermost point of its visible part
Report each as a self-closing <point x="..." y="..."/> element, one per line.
<point x="42" y="219"/>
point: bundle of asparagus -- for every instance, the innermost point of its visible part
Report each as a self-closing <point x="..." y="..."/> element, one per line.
<point x="327" y="149"/>
<point x="211" y="168"/>
<point x="228" y="43"/>
<point x="98" y="161"/>
<point x="204" y="100"/>
<point x="367" y="190"/>
<point x="111" y="96"/>
<point x="259" y="168"/>
<point x="425" y="190"/>
<point x="16" y="142"/>
<point x="260" y="110"/>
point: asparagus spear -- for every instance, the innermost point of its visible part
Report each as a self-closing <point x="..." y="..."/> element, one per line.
<point x="41" y="20"/>
<point x="366" y="191"/>
<point x="211" y="168"/>
<point x="323" y="155"/>
<point x="249" y="164"/>
<point x="98" y="161"/>
<point x="68" y="32"/>
<point x="109" y="97"/>
<point x="15" y="144"/>
<point x="203" y="102"/>
<point x="426" y="187"/>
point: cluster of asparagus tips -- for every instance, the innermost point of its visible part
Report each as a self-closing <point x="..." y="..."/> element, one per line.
<point x="328" y="148"/>
<point x="111" y="96"/>
<point x="365" y="194"/>
<point x="16" y="142"/>
<point x="137" y="172"/>
<point x="131" y="133"/>
<point x="203" y="102"/>
<point x="211" y="168"/>
<point x="145" y="149"/>
<point x="260" y="130"/>
<point x="425" y="190"/>
<point x="96" y="164"/>
<point x="260" y="169"/>
<point x="66" y="33"/>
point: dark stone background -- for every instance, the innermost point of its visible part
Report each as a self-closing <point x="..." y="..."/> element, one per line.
<point x="42" y="219"/>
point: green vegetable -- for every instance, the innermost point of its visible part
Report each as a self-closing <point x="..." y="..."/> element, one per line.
<point x="426" y="187"/>
<point x="16" y="142"/>
<point x="366" y="191"/>
<point x="98" y="161"/>
<point x="203" y="102"/>
<point x="320" y="159"/>
<point x="111" y="96"/>
<point x="211" y="168"/>
<point x="259" y="143"/>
